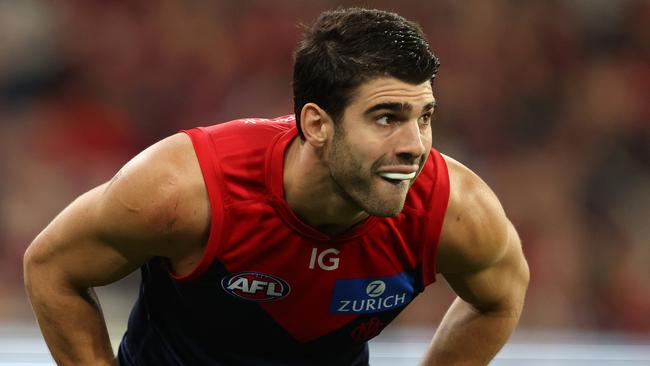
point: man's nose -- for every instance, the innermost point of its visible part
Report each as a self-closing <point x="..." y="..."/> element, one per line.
<point x="410" y="140"/>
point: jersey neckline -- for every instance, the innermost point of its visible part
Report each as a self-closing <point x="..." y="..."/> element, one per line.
<point x="274" y="179"/>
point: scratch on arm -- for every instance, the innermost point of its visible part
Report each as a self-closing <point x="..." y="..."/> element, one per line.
<point x="126" y="205"/>
<point x="113" y="180"/>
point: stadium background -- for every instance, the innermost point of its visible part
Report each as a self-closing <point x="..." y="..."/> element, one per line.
<point x="547" y="100"/>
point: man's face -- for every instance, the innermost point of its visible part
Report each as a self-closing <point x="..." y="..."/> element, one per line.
<point x="381" y="144"/>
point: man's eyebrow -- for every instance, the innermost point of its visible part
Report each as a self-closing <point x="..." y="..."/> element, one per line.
<point x="397" y="107"/>
<point x="429" y="106"/>
<point x="391" y="106"/>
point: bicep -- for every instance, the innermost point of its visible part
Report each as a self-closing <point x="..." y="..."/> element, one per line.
<point x="499" y="285"/>
<point x="75" y="248"/>
<point x="155" y="206"/>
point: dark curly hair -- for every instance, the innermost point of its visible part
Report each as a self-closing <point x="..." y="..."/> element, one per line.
<point x="347" y="47"/>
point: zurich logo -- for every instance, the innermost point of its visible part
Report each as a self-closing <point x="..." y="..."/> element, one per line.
<point x="376" y="288"/>
<point x="372" y="295"/>
<point x="255" y="286"/>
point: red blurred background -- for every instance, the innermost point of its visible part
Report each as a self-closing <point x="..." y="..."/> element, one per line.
<point x="549" y="101"/>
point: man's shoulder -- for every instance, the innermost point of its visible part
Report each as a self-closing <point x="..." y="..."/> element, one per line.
<point x="475" y="225"/>
<point x="251" y="127"/>
<point x="241" y="136"/>
<point x="158" y="194"/>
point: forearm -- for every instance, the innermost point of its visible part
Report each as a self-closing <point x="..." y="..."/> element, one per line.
<point x="70" y="319"/>
<point x="469" y="337"/>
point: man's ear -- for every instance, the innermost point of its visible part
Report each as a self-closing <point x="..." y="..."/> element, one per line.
<point x="316" y="124"/>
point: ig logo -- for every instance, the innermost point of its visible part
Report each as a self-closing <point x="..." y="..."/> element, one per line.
<point x="324" y="262"/>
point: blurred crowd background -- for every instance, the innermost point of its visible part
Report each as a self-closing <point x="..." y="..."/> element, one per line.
<point x="549" y="101"/>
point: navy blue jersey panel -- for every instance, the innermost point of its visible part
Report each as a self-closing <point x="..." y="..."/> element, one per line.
<point x="165" y="328"/>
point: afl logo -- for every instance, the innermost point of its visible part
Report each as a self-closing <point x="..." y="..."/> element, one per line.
<point x="255" y="286"/>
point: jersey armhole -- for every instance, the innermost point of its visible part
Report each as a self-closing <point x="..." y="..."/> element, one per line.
<point x="208" y="162"/>
<point x="438" y="202"/>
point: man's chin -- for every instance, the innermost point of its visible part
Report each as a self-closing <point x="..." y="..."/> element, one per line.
<point x="385" y="209"/>
<point x="385" y="213"/>
<point x="381" y="200"/>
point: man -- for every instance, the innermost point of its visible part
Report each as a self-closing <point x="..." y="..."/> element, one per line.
<point x="290" y="241"/>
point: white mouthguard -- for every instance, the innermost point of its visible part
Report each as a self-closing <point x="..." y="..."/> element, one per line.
<point x="398" y="176"/>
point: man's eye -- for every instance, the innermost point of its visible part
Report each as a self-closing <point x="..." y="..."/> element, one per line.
<point x="425" y="119"/>
<point x="385" y="120"/>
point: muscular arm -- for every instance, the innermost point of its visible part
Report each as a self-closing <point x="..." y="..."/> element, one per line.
<point x="481" y="259"/>
<point x="146" y="210"/>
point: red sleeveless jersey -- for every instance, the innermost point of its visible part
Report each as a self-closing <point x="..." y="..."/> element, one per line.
<point x="271" y="289"/>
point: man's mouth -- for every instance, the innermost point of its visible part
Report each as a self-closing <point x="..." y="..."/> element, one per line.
<point x="397" y="176"/>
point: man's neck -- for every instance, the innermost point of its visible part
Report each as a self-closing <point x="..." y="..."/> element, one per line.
<point x="311" y="193"/>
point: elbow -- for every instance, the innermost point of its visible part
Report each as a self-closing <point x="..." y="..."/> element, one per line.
<point x="522" y="282"/>
<point x="524" y="273"/>
<point x="38" y="277"/>
<point x="30" y="264"/>
<point x="35" y="267"/>
<point x="520" y="269"/>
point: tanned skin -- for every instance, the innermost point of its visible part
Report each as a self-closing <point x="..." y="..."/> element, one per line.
<point x="157" y="205"/>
